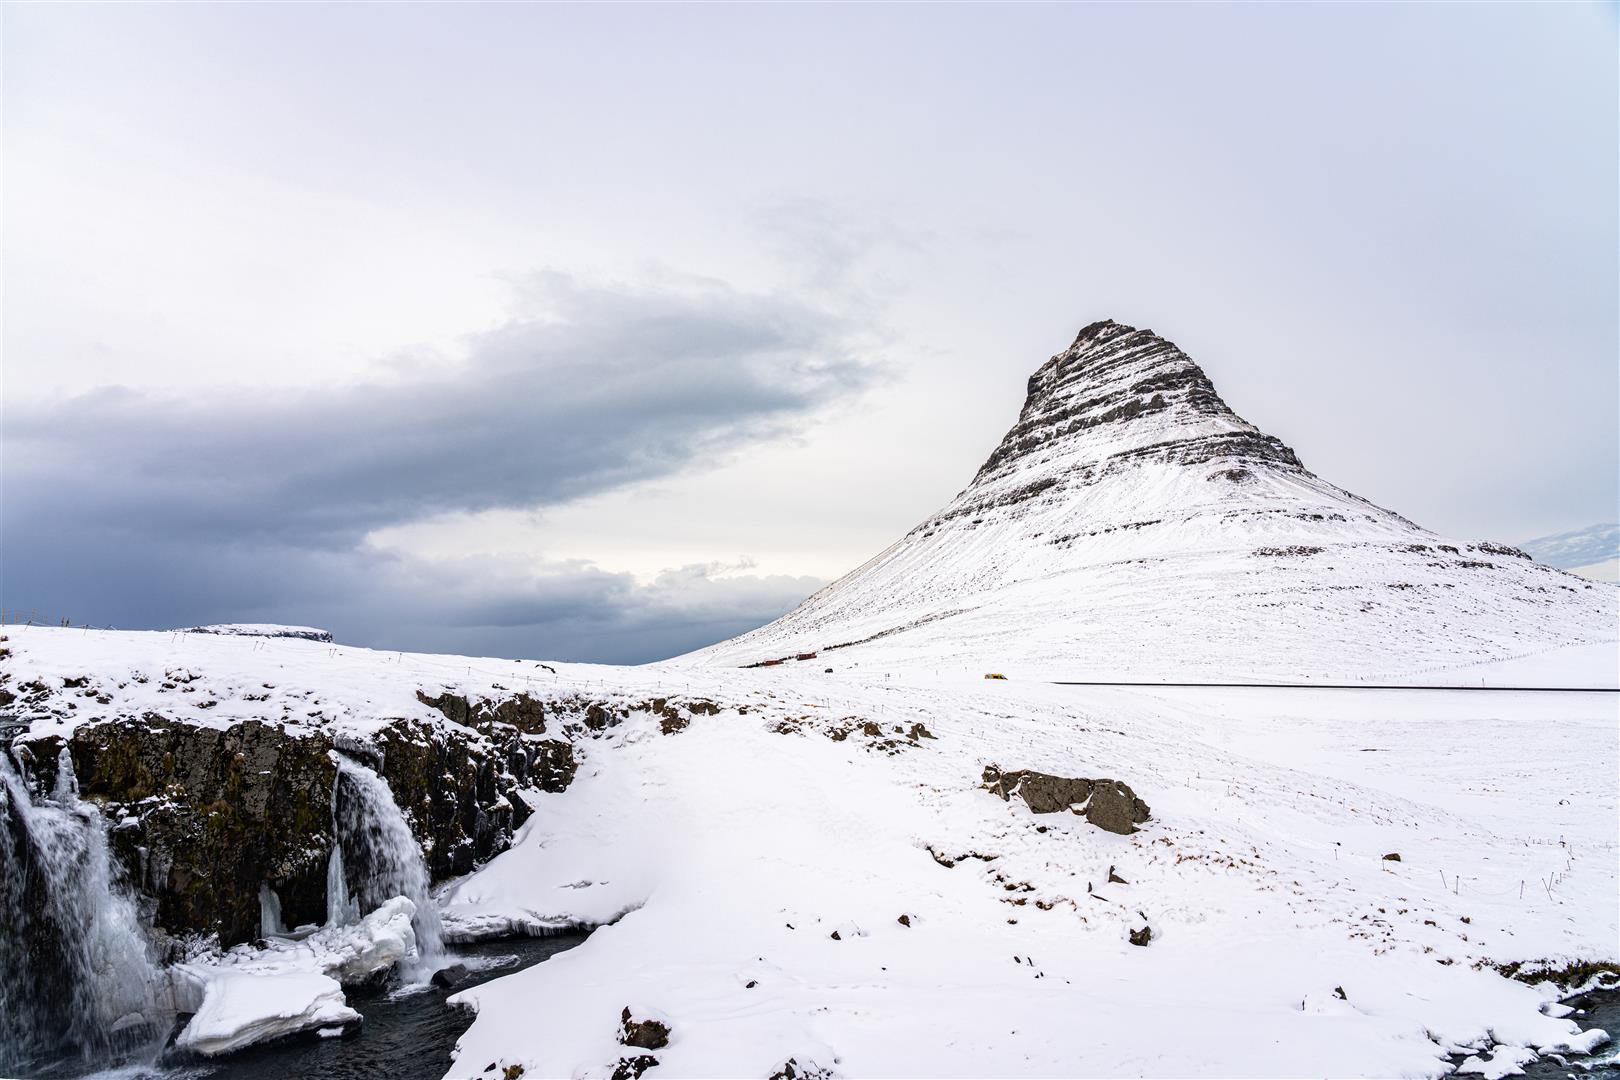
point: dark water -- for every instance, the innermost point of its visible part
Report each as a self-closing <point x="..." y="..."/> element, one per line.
<point x="1601" y="1010"/>
<point x="405" y="1035"/>
<point x="1594" y="1009"/>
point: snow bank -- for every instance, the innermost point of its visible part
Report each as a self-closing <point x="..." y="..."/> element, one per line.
<point x="240" y="1008"/>
<point x="249" y="995"/>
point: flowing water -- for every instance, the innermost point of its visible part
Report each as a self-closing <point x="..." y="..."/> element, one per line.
<point x="375" y="858"/>
<point x="1595" y="1009"/>
<point x="79" y="991"/>
<point x="405" y="1035"/>
<point x="77" y="983"/>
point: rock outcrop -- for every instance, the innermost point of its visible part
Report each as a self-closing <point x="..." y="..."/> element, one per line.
<point x="1107" y="804"/>
<point x="646" y="1034"/>
<point x="204" y="816"/>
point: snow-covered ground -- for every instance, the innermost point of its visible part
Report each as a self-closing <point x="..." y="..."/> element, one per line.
<point x="740" y="852"/>
<point x="727" y="855"/>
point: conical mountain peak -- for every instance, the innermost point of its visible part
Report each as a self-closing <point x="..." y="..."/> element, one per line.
<point x="1118" y="389"/>
<point x="1131" y="522"/>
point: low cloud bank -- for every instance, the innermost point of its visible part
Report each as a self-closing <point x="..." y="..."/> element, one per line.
<point x="132" y="509"/>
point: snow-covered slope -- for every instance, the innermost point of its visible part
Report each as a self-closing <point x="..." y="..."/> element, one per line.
<point x="794" y="872"/>
<point x="1131" y="525"/>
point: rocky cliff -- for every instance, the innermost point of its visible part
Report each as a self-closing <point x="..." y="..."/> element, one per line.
<point x="205" y="815"/>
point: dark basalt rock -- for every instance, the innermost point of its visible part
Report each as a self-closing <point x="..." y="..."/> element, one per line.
<point x="1107" y="804"/>
<point x="520" y="711"/>
<point x="460" y="795"/>
<point x="449" y="976"/>
<point x="644" y="1034"/>
<point x="1091" y="385"/>
<point x="631" y="1068"/>
<point x="202" y="817"/>
<point x="1501" y="549"/>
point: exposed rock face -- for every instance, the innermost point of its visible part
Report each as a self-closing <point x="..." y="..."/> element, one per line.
<point x="645" y="1034"/>
<point x="461" y="794"/>
<point x="631" y="1068"/>
<point x="1130" y="523"/>
<point x="1107" y="804"/>
<point x="520" y="711"/>
<point x="203" y="816"/>
<point x="1115" y="379"/>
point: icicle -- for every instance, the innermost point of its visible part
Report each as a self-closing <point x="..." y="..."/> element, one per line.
<point x="340" y="909"/>
<point x="270" y="924"/>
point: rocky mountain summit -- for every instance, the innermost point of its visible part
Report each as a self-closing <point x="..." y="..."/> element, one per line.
<point x="1131" y="521"/>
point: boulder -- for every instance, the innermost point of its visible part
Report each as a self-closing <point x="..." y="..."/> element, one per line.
<point x="1108" y="804"/>
<point x="447" y="977"/>
<point x="645" y="1034"/>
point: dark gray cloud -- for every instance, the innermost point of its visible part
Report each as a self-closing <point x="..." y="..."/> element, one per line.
<point x="126" y="508"/>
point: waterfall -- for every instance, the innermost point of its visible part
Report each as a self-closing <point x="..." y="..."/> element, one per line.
<point x="375" y="858"/>
<point x="76" y="975"/>
<point x="270" y="924"/>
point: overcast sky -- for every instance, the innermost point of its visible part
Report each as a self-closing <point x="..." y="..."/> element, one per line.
<point x="606" y="332"/>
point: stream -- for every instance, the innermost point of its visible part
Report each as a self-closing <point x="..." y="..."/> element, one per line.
<point x="1596" y="1009"/>
<point x="406" y="1035"/>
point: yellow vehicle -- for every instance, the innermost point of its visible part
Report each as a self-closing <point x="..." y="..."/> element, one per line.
<point x="996" y="675"/>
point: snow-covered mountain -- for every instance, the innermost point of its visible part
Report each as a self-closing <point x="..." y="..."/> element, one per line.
<point x="1132" y="525"/>
<point x="1592" y="552"/>
<point x="1582" y="547"/>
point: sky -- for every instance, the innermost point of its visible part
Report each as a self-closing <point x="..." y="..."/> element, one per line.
<point x="606" y="332"/>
